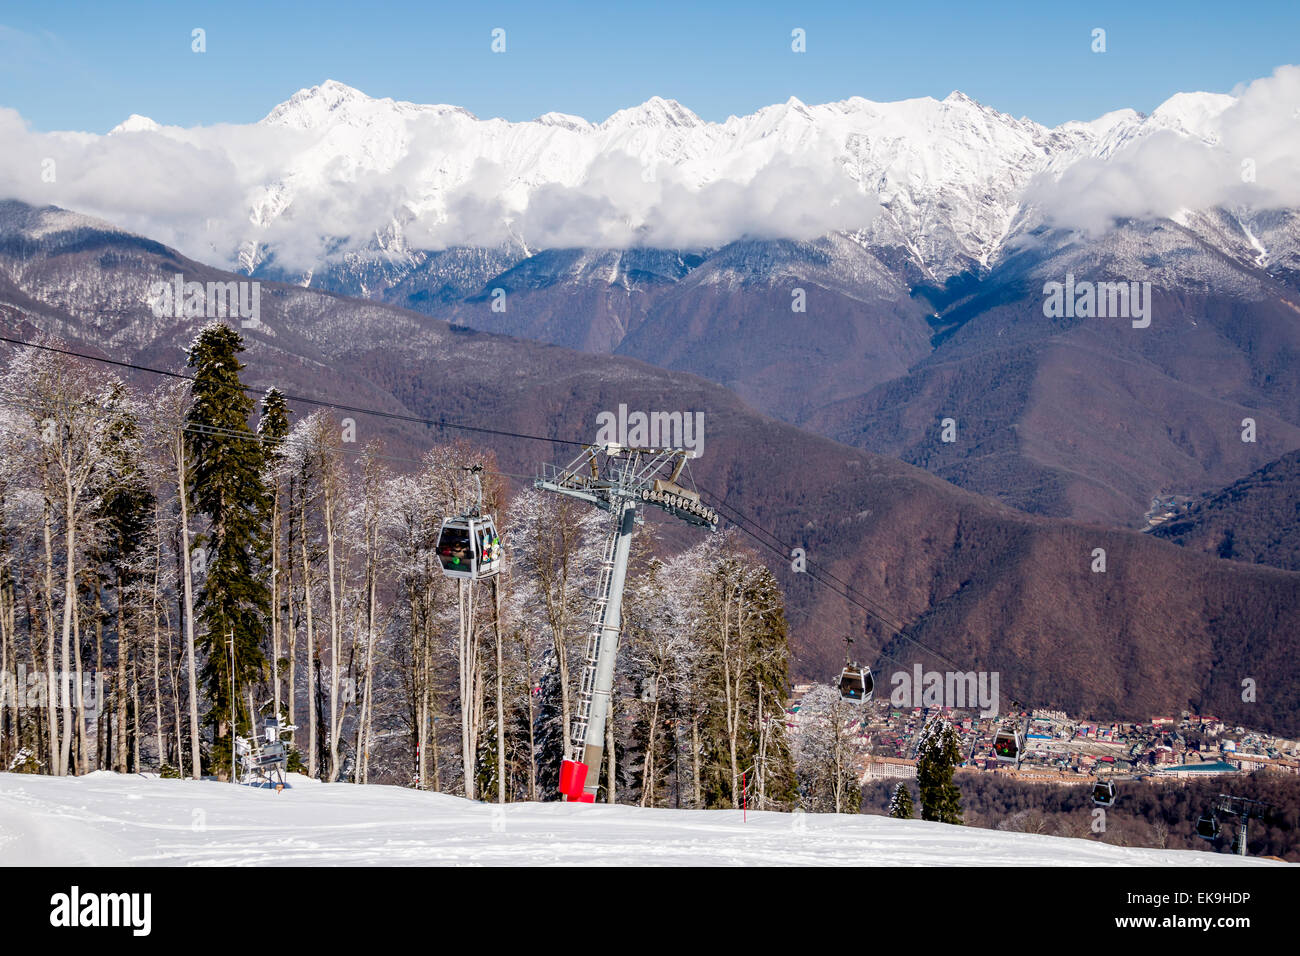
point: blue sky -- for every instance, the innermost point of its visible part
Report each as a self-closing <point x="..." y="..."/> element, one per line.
<point x="88" y="65"/>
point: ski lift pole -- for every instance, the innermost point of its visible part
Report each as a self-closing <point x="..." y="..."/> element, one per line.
<point x="607" y="652"/>
<point x="478" y="486"/>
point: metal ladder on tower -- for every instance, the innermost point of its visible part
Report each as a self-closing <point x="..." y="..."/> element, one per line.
<point x="587" y="687"/>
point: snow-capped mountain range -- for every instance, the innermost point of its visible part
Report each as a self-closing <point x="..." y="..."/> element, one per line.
<point x="920" y="233"/>
<point x="951" y="184"/>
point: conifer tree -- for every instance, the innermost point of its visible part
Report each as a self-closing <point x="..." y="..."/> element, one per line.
<point x="228" y="490"/>
<point x="900" y="804"/>
<point x="273" y="430"/>
<point x="938" y="754"/>
<point x="549" y="736"/>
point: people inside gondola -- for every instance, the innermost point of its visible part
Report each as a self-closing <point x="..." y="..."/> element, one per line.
<point x="454" y="549"/>
<point x="489" y="548"/>
<point x="855" y="684"/>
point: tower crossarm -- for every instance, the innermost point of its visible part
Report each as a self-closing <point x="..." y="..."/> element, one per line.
<point x="603" y="474"/>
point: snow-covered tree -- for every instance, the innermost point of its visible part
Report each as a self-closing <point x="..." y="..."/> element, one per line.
<point x="824" y="757"/>
<point x="937" y="756"/>
<point x="554" y="553"/>
<point x="62" y="436"/>
<point x="742" y="678"/>
<point x="900" y="803"/>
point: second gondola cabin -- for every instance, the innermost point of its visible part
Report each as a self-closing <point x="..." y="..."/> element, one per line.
<point x="1207" y="827"/>
<point x="469" y="547"/>
<point x="1008" y="746"/>
<point x="856" y="684"/>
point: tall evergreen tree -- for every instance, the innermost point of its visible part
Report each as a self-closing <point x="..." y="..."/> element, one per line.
<point x="938" y="754"/>
<point x="228" y="490"/>
<point x="273" y="423"/>
<point x="273" y="430"/>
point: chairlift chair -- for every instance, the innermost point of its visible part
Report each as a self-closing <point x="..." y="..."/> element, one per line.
<point x="1103" y="794"/>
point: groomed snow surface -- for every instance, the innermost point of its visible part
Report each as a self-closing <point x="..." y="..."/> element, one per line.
<point x="114" y="819"/>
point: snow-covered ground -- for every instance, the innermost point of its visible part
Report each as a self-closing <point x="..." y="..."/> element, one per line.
<point x="111" y="819"/>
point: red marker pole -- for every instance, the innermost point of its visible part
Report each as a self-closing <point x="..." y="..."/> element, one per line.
<point x="744" y="797"/>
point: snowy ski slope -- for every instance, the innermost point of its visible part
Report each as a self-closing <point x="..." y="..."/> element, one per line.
<point x="111" y="819"/>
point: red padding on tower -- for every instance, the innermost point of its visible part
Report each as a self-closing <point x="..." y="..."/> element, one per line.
<point x="587" y="798"/>
<point x="573" y="774"/>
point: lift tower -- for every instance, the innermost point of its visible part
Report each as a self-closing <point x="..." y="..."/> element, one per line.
<point x="614" y="478"/>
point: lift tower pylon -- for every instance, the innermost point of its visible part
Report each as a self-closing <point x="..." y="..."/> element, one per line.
<point x="616" y="479"/>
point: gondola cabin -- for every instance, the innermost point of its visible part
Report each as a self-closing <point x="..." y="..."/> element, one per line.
<point x="469" y="547"/>
<point x="1103" y="794"/>
<point x="1207" y="828"/>
<point x="1008" y="746"/>
<point x="856" y="684"/>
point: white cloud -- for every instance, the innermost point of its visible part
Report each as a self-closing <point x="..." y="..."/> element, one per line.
<point x="1158" y="174"/>
<point x="322" y="185"/>
<point x="311" y="193"/>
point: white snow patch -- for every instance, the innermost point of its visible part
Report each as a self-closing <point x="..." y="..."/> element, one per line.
<point x="110" y="819"/>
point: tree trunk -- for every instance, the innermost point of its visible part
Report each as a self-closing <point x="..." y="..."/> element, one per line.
<point x="648" y="765"/>
<point x="8" y="727"/>
<point x="612" y="762"/>
<point x="468" y="667"/>
<point x="362" y="770"/>
<point x="52" y="701"/>
<point x="501" y="720"/>
<point x="157" y="683"/>
<point x="291" y="625"/>
<point x="532" y="737"/>
<point x="69" y="596"/>
<point x="123" y="652"/>
<point x="312" y="765"/>
<point x="695" y="761"/>
<point x="187" y="575"/>
<point x="335" y="642"/>
<point x="176" y="703"/>
<point x="732" y="717"/>
<point x="275" y="598"/>
<point x="79" y="757"/>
